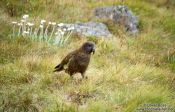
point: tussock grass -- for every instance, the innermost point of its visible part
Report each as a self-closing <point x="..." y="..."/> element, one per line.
<point x="124" y="74"/>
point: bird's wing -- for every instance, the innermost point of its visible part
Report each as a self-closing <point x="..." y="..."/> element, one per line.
<point x="78" y="63"/>
<point x="67" y="58"/>
<point x="83" y="59"/>
<point x="65" y="61"/>
<point x="79" y="59"/>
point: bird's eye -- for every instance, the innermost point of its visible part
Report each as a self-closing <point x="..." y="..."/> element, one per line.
<point x="88" y="45"/>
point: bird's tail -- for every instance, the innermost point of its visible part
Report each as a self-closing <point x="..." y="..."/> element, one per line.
<point x="58" y="68"/>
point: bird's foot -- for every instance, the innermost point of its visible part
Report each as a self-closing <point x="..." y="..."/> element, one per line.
<point x="86" y="77"/>
<point x="71" y="77"/>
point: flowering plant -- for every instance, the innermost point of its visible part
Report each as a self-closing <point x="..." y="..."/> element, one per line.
<point x="57" y="36"/>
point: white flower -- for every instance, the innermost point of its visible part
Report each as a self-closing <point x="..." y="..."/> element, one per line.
<point x="70" y="28"/>
<point x="54" y="23"/>
<point x="26" y="32"/>
<point x="41" y="26"/>
<point x="56" y="33"/>
<point x="43" y="21"/>
<point x="19" y="24"/>
<point x="50" y="23"/>
<point x="62" y="33"/>
<point x="14" y="22"/>
<point x="25" y="16"/>
<point x="30" y="24"/>
<point x="64" y="29"/>
<point x="61" y="24"/>
<point x="23" y="20"/>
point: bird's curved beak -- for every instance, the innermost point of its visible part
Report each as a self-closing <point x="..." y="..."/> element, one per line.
<point x="93" y="50"/>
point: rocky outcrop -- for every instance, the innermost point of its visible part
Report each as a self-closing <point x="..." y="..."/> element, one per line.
<point x="89" y="29"/>
<point x="120" y="15"/>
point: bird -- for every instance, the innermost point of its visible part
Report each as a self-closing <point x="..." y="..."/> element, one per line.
<point x="78" y="60"/>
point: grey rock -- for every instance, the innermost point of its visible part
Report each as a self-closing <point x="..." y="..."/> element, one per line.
<point x="90" y="29"/>
<point x="119" y="14"/>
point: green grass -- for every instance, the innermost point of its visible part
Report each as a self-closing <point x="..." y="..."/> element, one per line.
<point x="125" y="73"/>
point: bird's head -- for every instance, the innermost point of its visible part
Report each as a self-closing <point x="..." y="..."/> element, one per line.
<point x="88" y="47"/>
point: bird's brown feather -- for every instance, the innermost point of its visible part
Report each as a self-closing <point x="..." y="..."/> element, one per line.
<point x="76" y="61"/>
